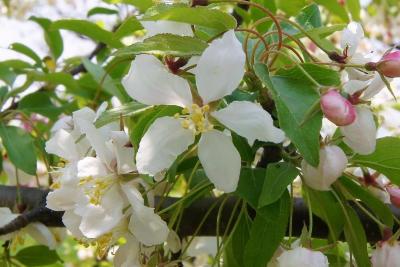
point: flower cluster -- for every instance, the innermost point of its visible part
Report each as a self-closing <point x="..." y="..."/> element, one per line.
<point x="100" y="205"/>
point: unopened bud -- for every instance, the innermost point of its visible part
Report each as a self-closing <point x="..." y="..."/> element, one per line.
<point x="394" y="194"/>
<point x="332" y="162"/>
<point x="389" y="65"/>
<point x="337" y="109"/>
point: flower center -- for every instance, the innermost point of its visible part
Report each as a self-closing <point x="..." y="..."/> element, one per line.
<point x="95" y="188"/>
<point x="195" y="118"/>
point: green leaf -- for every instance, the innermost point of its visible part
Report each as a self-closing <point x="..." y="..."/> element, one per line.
<point x="52" y="37"/>
<point x="374" y="204"/>
<point x="233" y="251"/>
<point x="326" y="207"/>
<point x="39" y="102"/>
<point x="23" y="49"/>
<point x="355" y="237"/>
<point x="7" y="75"/>
<point x="278" y="177"/>
<point x="199" y="16"/>
<point x="385" y="159"/>
<point x="89" y="29"/>
<point x="125" y="110"/>
<point x="165" y="44"/>
<point x="293" y="98"/>
<point x="335" y="8"/>
<point x="355" y="8"/>
<point x="16" y="64"/>
<point x="101" y="10"/>
<point x="104" y="81"/>
<point x="55" y="78"/>
<point x="269" y="228"/>
<point x="290" y="7"/>
<point x="250" y="185"/>
<point x="129" y="26"/>
<point x="20" y="148"/>
<point x="141" y="5"/>
<point x="310" y="17"/>
<point x="37" y="256"/>
<point x="322" y="75"/>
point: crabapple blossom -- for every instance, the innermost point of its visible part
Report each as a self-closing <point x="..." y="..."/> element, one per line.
<point x="367" y="83"/>
<point x="337" y="109"/>
<point x="103" y="201"/>
<point x="218" y="73"/>
<point x="386" y="254"/>
<point x="361" y="134"/>
<point x="332" y="163"/>
<point x="302" y="257"/>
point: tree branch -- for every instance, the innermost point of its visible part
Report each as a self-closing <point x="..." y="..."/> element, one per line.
<point x="34" y="199"/>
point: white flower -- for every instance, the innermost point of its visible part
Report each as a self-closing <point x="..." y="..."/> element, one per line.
<point x="361" y="134"/>
<point x="38" y="231"/>
<point x="386" y="254"/>
<point x="302" y="257"/>
<point x="332" y="163"/>
<point x="351" y="37"/>
<point x="218" y="73"/>
<point x="165" y="26"/>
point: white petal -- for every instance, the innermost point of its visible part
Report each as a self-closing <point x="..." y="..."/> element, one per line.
<point x="124" y="154"/>
<point x="150" y="83"/>
<point x="96" y="139"/>
<point x="220" y="68"/>
<point x="361" y="134"/>
<point x="72" y="222"/>
<point x="164" y="26"/>
<point x="42" y="234"/>
<point x="100" y="219"/>
<point x="60" y="199"/>
<point x="174" y="242"/>
<point x="85" y="114"/>
<point x="220" y="160"/>
<point x="302" y="257"/>
<point x="63" y="145"/>
<point x="163" y="142"/>
<point x="91" y="167"/>
<point x="148" y="227"/>
<point x="250" y="121"/>
<point x="332" y="163"/>
<point x="65" y="123"/>
<point x="353" y="86"/>
<point x="374" y="87"/>
<point x="127" y="255"/>
<point x="351" y="37"/>
<point x="132" y="194"/>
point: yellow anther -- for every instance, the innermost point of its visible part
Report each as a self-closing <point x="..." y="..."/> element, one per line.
<point x="176" y="115"/>
<point x="185" y="124"/>
<point x="195" y="106"/>
<point x="185" y="111"/>
<point x="55" y="185"/>
<point x="206" y="108"/>
<point x="197" y="118"/>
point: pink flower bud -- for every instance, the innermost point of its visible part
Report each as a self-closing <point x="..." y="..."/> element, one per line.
<point x="337" y="109"/>
<point x="394" y="194"/>
<point x="389" y="65"/>
<point x="387" y="254"/>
